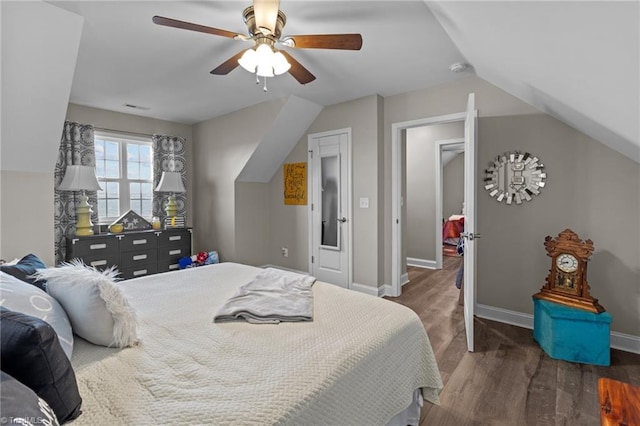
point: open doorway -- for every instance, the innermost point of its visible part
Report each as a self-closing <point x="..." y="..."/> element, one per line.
<point x="398" y="211"/>
<point x="434" y="181"/>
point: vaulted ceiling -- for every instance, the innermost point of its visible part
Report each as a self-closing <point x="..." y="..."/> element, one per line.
<point x="575" y="60"/>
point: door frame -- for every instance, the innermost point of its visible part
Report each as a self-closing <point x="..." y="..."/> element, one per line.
<point x="439" y="194"/>
<point x="349" y="209"/>
<point x="397" y="171"/>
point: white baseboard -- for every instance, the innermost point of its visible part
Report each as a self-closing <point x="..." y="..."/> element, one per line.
<point x="367" y="289"/>
<point x="624" y="342"/>
<point x="404" y="279"/>
<point x="421" y="263"/>
<point x="505" y="316"/>
<point x="385" y="290"/>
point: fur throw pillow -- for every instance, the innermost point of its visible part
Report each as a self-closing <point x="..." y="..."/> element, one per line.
<point x="94" y="303"/>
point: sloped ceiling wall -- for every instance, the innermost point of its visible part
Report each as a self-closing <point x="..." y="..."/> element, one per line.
<point x="290" y="125"/>
<point x="576" y="61"/>
<point x="36" y="82"/>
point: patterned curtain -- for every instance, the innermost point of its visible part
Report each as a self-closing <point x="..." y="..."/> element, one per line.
<point x="76" y="148"/>
<point x="168" y="156"/>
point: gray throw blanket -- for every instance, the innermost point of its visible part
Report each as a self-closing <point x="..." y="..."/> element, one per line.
<point x="271" y="297"/>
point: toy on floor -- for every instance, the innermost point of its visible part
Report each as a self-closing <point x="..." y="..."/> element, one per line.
<point x="200" y="259"/>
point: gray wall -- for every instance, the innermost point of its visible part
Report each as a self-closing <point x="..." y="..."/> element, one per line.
<point x="420" y="200"/>
<point x="591" y="189"/>
<point x="288" y="223"/>
<point x="222" y="146"/>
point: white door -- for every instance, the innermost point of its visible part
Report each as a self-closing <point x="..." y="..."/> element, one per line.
<point x="330" y="218"/>
<point x="470" y="235"/>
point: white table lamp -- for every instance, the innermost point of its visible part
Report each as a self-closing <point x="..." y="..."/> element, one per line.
<point x="171" y="182"/>
<point x="81" y="178"/>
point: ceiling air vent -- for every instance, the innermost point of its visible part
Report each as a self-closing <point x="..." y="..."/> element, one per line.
<point x="137" y="107"/>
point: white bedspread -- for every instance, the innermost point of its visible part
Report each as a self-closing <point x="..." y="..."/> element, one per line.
<point x="357" y="363"/>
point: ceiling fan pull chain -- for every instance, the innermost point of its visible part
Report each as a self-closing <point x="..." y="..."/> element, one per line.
<point x="257" y="79"/>
<point x="265" y="84"/>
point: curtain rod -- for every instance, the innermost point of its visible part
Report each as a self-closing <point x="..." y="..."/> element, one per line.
<point x="123" y="132"/>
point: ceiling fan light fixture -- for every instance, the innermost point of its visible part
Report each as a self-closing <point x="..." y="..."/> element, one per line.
<point x="280" y="64"/>
<point x="264" y="53"/>
<point x="249" y="60"/>
<point x="264" y="70"/>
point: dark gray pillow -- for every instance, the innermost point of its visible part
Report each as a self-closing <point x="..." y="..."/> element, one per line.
<point x="24" y="268"/>
<point x="22" y="297"/>
<point x="31" y="353"/>
<point x="21" y="405"/>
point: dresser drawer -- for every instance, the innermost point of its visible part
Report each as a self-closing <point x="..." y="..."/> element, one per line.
<point x="174" y="238"/>
<point x="174" y="252"/>
<point x="81" y="247"/>
<point x="139" y="257"/>
<point x="98" y="260"/>
<point x="138" y="241"/>
<point x="168" y="265"/>
<point x="100" y="252"/>
<point x="139" y="271"/>
<point x="135" y="254"/>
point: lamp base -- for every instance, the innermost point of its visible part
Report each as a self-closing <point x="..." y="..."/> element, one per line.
<point x="172" y="207"/>
<point x="83" y="217"/>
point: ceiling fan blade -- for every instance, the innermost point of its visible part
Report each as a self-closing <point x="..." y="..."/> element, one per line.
<point x="169" y="22"/>
<point x="229" y="65"/>
<point x="298" y="72"/>
<point x="266" y="14"/>
<point x="325" y="41"/>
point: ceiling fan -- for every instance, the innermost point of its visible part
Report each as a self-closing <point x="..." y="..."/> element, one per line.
<point x="265" y="22"/>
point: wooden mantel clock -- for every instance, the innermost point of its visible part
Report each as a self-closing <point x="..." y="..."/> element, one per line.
<point x="567" y="280"/>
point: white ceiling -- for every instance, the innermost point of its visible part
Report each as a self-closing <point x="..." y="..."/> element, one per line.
<point x="125" y="58"/>
<point x="576" y="60"/>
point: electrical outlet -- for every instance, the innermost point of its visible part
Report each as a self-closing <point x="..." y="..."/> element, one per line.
<point x="285" y="252"/>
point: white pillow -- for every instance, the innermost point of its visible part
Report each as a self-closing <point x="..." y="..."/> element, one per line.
<point x="94" y="303"/>
<point x="28" y="299"/>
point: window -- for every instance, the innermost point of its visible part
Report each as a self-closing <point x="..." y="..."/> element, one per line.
<point x="124" y="166"/>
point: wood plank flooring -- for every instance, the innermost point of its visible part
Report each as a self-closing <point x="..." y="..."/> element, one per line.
<point x="509" y="380"/>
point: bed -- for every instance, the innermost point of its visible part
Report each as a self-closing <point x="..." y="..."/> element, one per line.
<point x="451" y="230"/>
<point x="362" y="360"/>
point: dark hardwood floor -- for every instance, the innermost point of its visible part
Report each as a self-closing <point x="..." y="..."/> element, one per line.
<point x="509" y="379"/>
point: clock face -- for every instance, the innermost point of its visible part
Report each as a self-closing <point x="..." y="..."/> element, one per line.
<point x="567" y="263"/>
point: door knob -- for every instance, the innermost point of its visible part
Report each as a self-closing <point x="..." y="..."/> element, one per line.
<point x="470" y="235"/>
<point x="342" y="220"/>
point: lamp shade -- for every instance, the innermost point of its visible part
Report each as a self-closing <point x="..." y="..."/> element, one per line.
<point x="79" y="178"/>
<point x="171" y="182"/>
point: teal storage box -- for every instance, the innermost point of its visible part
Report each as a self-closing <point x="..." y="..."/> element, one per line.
<point x="572" y="334"/>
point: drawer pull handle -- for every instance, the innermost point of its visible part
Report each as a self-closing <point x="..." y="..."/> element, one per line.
<point x="174" y="266"/>
<point x="175" y="251"/>
<point x="140" y="272"/>
<point x="140" y="257"/>
<point x="97" y="246"/>
<point x="98" y="263"/>
<point x="175" y="238"/>
<point x="136" y="242"/>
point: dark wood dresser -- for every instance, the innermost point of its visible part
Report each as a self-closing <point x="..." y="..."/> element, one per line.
<point x="135" y="254"/>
